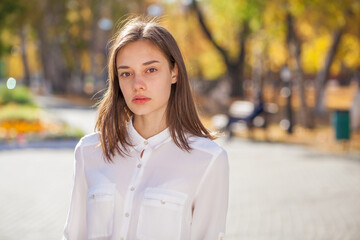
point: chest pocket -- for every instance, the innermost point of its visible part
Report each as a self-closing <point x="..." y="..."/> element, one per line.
<point x="161" y="214"/>
<point x="100" y="211"/>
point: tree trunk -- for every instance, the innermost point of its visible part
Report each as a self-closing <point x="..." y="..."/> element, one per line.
<point x="237" y="81"/>
<point x="60" y="74"/>
<point x="94" y="51"/>
<point x="24" y="57"/>
<point x="295" y="52"/>
<point x="257" y="71"/>
<point x="56" y="70"/>
<point x="44" y="49"/>
<point x="323" y="74"/>
<point x="235" y="73"/>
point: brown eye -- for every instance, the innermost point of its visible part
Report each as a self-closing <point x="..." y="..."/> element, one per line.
<point x="150" y="70"/>
<point x="125" y="74"/>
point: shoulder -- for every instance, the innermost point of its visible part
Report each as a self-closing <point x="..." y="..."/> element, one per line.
<point x="207" y="145"/>
<point x="218" y="165"/>
<point x="92" y="139"/>
<point x="89" y="147"/>
<point x="89" y="139"/>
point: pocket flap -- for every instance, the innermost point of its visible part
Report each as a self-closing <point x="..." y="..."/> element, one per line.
<point x="102" y="189"/>
<point x="166" y="195"/>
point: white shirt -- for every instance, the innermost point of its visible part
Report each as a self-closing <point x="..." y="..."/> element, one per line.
<point x="164" y="193"/>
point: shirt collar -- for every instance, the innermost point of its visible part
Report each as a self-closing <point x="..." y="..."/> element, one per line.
<point x="140" y="143"/>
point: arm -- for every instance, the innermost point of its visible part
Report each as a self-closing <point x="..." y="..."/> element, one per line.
<point x="75" y="227"/>
<point x="211" y="201"/>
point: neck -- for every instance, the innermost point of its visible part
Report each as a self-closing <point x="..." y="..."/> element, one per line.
<point x="148" y="127"/>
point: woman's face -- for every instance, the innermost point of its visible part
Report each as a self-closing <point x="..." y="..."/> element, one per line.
<point x="145" y="78"/>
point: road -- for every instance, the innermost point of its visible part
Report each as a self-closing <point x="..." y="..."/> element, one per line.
<point x="277" y="191"/>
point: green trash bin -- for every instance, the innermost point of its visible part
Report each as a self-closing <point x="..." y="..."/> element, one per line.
<point x="341" y="121"/>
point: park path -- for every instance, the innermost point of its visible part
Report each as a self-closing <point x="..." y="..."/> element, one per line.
<point x="81" y="116"/>
<point x="277" y="191"/>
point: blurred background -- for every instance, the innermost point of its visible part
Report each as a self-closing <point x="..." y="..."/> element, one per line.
<point x="281" y="78"/>
<point x="298" y="59"/>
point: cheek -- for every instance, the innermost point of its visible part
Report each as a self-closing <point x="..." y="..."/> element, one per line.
<point x="167" y="92"/>
<point x="166" y="83"/>
<point x="124" y="90"/>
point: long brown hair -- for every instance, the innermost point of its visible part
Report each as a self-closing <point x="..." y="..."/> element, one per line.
<point x="113" y="113"/>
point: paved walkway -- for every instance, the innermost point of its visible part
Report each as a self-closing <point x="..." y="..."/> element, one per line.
<point x="83" y="117"/>
<point x="276" y="192"/>
<point x="289" y="192"/>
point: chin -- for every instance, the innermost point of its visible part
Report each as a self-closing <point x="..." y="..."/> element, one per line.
<point x="139" y="112"/>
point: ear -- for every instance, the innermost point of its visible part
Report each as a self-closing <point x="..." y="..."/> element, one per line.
<point x="174" y="73"/>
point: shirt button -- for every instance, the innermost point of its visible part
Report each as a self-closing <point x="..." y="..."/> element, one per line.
<point x="146" y="142"/>
<point x="127" y="214"/>
<point x="132" y="188"/>
<point x="139" y="165"/>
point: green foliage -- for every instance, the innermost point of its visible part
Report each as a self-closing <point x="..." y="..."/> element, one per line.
<point x="19" y="112"/>
<point x="19" y="95"/>
<point x="10" y="13"/>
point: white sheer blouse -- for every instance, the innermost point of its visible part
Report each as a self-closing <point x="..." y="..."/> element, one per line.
<point x="157" y="192"/>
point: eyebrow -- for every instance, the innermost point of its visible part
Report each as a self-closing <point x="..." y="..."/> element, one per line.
<point x="145" y="64"/>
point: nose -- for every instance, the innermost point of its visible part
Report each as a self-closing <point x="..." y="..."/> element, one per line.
<point x="139" y="83"/>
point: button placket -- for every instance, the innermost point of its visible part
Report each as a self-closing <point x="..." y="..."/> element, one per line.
<point x="142" y="157"/>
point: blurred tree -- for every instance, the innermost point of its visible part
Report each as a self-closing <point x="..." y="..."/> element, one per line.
<point x="239" y="35"/>
<point x="237" y="20"/>
<point x="104" y="14"/>
<point x="294" y="46"/>
<point x="337" y="18"/>
<point x="50" y="25"/>
<point x="9" y="9"/>
<point x="68" y="33"/>
<point x="13" y="15"/>
<point x="308" y="22"/>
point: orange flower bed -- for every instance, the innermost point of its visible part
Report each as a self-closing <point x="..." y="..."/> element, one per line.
<point x="21" y="126"/>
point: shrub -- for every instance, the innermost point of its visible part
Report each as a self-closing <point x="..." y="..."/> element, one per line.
<point x="19" y="95"/>
<point x="13" y="111"/>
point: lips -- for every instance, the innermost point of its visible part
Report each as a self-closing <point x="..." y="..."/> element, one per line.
<point x="140" y="99"/>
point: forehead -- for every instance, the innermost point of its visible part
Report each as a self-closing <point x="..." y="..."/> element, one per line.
<point x="138" y="52"/>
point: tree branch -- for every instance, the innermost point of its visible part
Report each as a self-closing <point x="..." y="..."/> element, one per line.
<point x="207" y="32"/>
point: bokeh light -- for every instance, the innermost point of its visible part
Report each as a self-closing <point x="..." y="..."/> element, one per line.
<point x="11" y="83"/>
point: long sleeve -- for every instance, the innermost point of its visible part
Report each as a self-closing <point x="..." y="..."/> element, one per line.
<point x="75" y="226"/>
<point x="211" y="201"/>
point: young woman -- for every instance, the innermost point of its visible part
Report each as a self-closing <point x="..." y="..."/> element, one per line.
<point x="151" y="171"/>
